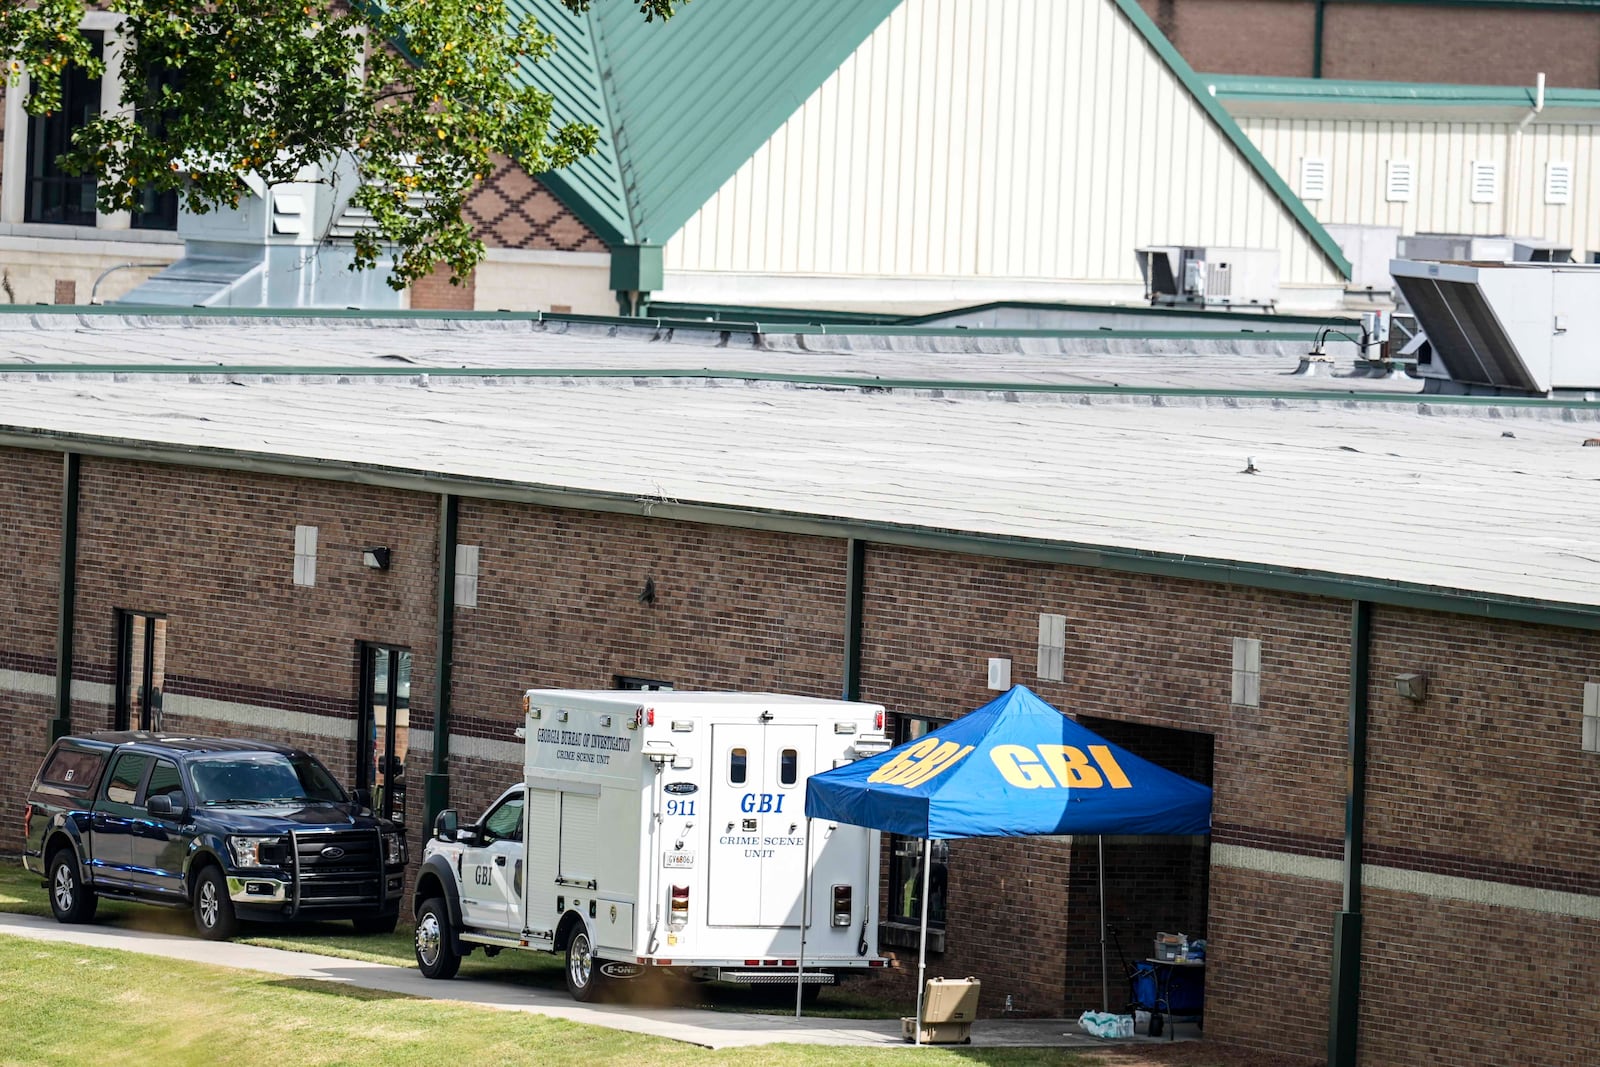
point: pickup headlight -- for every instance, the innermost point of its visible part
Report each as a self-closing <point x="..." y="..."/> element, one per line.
<point x="256" y="851"/>
<point x="394" y="850"/>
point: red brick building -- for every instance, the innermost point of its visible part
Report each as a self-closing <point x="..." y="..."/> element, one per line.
<point x="1463" y="42"/>
<point x="885" y="540"/>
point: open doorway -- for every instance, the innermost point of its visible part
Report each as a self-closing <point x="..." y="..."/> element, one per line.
<point x="385" y="728"/>
<point x="1153" y="884"/>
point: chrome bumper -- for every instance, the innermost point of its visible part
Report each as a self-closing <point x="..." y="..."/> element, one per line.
<point x="258" y="890"/>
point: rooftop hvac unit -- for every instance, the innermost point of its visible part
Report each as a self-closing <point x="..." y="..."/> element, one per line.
<point x="1210" y="277"/>
<point x="1475" y="248"/>
<point x="1511" y="329"/>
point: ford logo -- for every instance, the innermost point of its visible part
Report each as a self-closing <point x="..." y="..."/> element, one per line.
<point x="332" y="852"/>
<point x="621" y="970"/>
<point x="680" y="788"/>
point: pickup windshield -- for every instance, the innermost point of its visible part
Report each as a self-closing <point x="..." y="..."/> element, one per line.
<point x="263" y="778"/>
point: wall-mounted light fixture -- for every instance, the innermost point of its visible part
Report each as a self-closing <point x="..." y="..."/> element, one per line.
<point x="1412" y="686"/>
<point x="376" y="558"/>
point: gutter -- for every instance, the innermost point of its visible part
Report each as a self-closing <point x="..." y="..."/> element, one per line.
<point x="1344" y="1010"/>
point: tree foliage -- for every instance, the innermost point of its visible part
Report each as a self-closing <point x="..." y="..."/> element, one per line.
<point x="407" y="102"/>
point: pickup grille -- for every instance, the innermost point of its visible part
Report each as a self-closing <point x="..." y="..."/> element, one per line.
<point x="353" y="877"/>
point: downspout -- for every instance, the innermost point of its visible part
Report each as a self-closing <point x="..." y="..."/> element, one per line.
<point x="856" y="561"/>
<point x="1344" y="1013"/>
<point x="436" y="786"/>
<point x="1316" y="39"/>
<point x="67" y="595"/>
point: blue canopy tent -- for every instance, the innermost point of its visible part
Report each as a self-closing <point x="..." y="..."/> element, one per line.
<point x="1014" y="767"/>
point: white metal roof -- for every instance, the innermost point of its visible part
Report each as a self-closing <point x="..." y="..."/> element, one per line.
<point x="1493" y="499"/>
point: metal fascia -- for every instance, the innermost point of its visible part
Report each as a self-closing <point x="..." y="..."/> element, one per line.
<point x="1252" y="155"/>
<point x="1275" y="577"/>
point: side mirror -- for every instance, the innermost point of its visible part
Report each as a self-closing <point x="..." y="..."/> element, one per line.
<point x="161" y="805"/>
<point x="445" y="826"/>
<point x="361" y="797"/>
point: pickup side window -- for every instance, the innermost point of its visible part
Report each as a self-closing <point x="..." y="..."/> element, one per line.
<point x="504" y="823"/>
<point x="164" y="781"/>
<point x="126" y="774"/>
<point x="74" y="771"/>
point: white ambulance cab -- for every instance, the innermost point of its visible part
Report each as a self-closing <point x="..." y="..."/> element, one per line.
<point x="663" y="831"/>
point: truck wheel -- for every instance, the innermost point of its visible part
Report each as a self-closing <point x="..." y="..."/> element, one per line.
<point x="376" y="924"/>
<point x="435" y="943"/>
<point x="213" y="908"/>
<point x="583" y="970"/>
<point x="70" y="900"/>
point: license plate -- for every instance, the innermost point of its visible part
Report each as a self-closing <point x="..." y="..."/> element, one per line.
<point x="677" y="859"/>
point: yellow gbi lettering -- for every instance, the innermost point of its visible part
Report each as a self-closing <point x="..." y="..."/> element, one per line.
<point x="1020" y="767"/>
<point x="1068" y="765"/>
<point x="921" y="762"/>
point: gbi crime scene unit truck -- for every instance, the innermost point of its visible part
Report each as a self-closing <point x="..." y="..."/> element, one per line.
<point x="663" y="831"/>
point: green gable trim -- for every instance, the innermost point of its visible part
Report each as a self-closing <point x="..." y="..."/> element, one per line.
<point x="636" y="268"/>
<point x="1322" y="90"/>
<point x="1197" y="89"/>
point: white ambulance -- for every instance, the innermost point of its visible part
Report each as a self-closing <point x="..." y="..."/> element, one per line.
<point x="663" y="830"/>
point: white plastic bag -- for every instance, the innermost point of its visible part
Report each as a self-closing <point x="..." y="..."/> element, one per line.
<point x="1105" y="1024"/>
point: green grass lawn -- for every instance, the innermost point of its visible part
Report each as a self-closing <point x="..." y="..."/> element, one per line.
<point x="22" y="892"/>
<point x="70" y="1004"/>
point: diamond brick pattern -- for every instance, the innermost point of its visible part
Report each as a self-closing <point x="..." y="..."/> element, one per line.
<point x="512" y="210"/>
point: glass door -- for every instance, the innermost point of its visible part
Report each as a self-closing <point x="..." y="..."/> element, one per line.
<point x="385" y="728"/>
<point x="141" y="670"/>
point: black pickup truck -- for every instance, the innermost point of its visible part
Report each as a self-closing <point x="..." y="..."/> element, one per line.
<point x="232" y="829"/>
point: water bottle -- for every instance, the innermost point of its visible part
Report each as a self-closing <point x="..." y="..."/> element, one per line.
<point x="1183" y="949"/>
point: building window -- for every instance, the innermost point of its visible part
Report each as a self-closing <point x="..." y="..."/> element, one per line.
<point x="1399" y="181"/>
<point x="1052" y="648"/>
<point x="52" y="195"/>
<point x="630" y="681"/>
<point x="305" y="555"/>
<point x="906" y="858"/>
<point x="1591" y="716"/>
<point x="466" y="576"/>
<point x="1247" y="671"/>
<point x="141" y="670"/>
<point x="1313" y="178"/>
<point x="1485" y="185"/>
<point x="158" y="211"/>
<point x="1557" y="183"/>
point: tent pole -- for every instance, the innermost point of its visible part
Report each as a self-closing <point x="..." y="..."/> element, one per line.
<point x="922" y="947"/>
<point x="805" y="904"/>
<point x="1100" y="849"/>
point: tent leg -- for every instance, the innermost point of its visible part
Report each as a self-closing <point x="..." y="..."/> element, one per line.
<point x="1100" y="849"/>
<point x="805" y="905"/>
<point x="922" y="946"/>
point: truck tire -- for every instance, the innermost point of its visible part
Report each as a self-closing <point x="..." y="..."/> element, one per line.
<point x="213" y="908"/>
<point x="70" y="900"/>
<point x="583" y="970"/>
<point x="377" y="924"/>
<point x="435" y="942"/>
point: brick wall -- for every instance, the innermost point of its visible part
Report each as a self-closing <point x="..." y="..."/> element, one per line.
<point x="1390" y="41"/>
<point x="438" y="291"/>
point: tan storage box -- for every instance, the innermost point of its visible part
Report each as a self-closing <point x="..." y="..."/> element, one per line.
<point x="948" y="1007"/>
<point x="937" y="1033"/>
<point x="950" y="1000"/>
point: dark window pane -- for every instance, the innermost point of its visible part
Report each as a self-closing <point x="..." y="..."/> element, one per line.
<point x="53" y="195"/>
<point x="505" y="822"/>
<point x="164" y="780"/>
<point x="737" y="760"/>
<point x="123" y="787"/>
<point x="788" y="767"/>
<point x="73" y="769"/>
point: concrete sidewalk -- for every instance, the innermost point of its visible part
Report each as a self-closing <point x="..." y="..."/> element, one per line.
<point x="710" y="1029"/>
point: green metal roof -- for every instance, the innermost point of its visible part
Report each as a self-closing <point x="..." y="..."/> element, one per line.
<point x="1251" y="87"/>
<point x="681" y="105"/>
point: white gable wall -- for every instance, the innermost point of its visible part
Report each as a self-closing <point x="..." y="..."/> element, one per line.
<point x="978" y="149"/>
<point x="1441" y="153"/>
